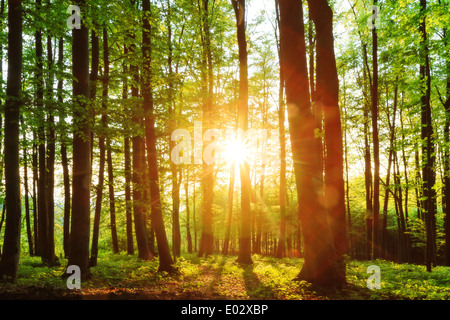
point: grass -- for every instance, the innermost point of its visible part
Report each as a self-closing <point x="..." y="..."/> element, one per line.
<point x="218" y="277"/>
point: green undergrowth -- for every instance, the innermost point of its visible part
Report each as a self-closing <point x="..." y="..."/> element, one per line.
<point x="220" y="277"/>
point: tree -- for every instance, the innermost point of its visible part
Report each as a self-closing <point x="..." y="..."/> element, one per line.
<point x="428" y="152"/>
<point x="81" y="183"/>
<point x="9" y="262"/>
<point x="244" y="168"/>
<point x="318" y="242"/>
<point x="207" y="83"/>
<point x="165" y="259"/>
<point x="376" y="147"/>
<point x="327" y="95"/>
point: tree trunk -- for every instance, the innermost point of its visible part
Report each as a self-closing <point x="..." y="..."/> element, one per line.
<point x="226" y="243"/>
<point x="375" y="252"/>
<point x="327" y="95"/>
<point x="428" y="155"/>
<point x="318" y="242"/>
<point x="26" y="196"/>
<point x="207" y="237"/>
<point x="64" y="160"/>
<point x="101" y="146"/>
<point x="80" y="225"/>
<point x="244" y="255"/>
<point x="9" y="262"/>
<point x="188" y="217"/>
<point x="50" y="159"/>
<point x="165" y="259"/>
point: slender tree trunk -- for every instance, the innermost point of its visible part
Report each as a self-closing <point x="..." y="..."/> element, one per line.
<point x="207" y="237"/>
<point x="112" y="205"/>
<point x="188" y="217"/>
<point x="43" y="223"/>
<point x="376" y="149"/>
<point x="64" y="160"/>
<point x="101" y="146"/>
<point x="80" y="225"/>
<point x="26" y="196"/>
<point x="128" y="210"/>
<point x="428" y="156"/>
<point x="128" y="172"/>
<point x="165" y="259"/>
<point x="244" y="255"/>
<point x="226" y="243"/>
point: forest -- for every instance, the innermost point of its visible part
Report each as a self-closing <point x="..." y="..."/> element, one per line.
<point x="225" y="149"/>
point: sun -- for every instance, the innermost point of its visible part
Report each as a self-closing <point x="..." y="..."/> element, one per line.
<point x="235" y="150"/>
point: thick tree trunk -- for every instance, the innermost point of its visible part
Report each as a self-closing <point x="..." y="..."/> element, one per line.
<point x="81" y="185"/>
<point x="318" y="242"/>
<point x="327" y="95"/>
<point x="9" y="262"/>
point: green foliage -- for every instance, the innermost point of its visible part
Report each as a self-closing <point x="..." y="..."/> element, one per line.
<point x="220" y="277"/>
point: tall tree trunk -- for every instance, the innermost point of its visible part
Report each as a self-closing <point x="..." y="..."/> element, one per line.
<point x="64" y="160"/>
<point x="282" y="133"/>
<point x="376" y="149"/>
<point x="318" y="242"/>
<point x="128" y="172"/>
<point x="26" y="195"/>
<point x="50" y="158"/>
<point x="327" y="95"/>
<point x="165" y="259"/>
<point x="112" y="205"/>
<point x="446" y="165"/>
<point x="176" y="172"/>
<point x="43" y="223"/>
<point x="101" y="146"/>
<point x="207" y="237"/>
<point x="9" y="262"/>
<point x="188" y="217"/>
<point x="428" y="156"/>
<point x="80" y="225"/>
<point x="244" y="255"/>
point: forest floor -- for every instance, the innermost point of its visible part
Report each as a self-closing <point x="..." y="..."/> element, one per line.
<point x="122" y="277"/>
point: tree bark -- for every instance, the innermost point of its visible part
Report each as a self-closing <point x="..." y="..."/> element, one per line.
<point x="327" y="95"/>
<point x="9" y="262"/>
<point x="318" y="242"/>
<point x="428" y="155"/>
<point x="80" y="226"/>
<point x="165" y="259"/>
